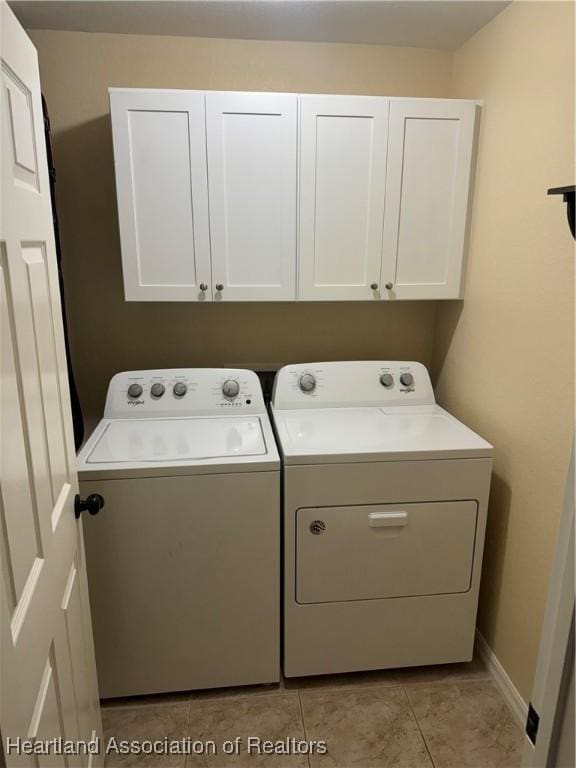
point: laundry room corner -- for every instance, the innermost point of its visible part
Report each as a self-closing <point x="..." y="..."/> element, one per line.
<point x="504" y="358"/>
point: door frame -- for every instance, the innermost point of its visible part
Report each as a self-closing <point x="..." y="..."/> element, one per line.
<point x="556" y="657"/>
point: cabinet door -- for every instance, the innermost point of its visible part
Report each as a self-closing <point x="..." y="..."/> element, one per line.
<point x="343" y="141"/>
<point x="430" y="156"/>
<point x="252" y="171"/>
<point x="162" y="189"/>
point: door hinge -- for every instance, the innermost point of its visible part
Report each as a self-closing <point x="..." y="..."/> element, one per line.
<point x="532" y="723"/>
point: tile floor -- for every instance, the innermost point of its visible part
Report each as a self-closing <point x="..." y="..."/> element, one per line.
<point x="434" y="717"/>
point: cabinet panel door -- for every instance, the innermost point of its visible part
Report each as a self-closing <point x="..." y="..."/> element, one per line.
<point x="343" y="144"/>
<point x="162" y="189"/>
<point x="252" y="171"/>
<point x="430" y="156"/>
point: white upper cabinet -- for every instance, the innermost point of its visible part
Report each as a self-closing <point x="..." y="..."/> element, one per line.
<point x="430" y="160"/>
<point x="252" y="168"/>
<point x="343" y="145"/>
<point x="160" y="158"/>
<point x="278" y="197"/>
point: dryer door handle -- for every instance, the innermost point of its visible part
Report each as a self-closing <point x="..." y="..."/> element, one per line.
<point x="387" y="519"/>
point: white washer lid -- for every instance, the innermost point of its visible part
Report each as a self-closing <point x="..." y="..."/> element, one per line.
<point x="176" y="440"/>
<point x="367" y="434"/>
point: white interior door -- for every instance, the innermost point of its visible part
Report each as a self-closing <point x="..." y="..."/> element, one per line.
<point x="48" y="678"/>
<point x="550" y="726"/>
<point x="343" y="145"/>
<point x="162" y="189"/>
<point x="252" y="170"/>
<point x="430" y="156"/>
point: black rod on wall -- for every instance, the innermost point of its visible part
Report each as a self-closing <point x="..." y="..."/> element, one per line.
<point x="568" y="194"/>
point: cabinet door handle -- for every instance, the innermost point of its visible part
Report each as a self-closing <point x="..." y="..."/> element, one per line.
<point x="389" y="286"/>
<point x="219" y="286"/>
<point x="374" y="286"/>
<point x="387" y="519"/>
<point x="203" y="287"/>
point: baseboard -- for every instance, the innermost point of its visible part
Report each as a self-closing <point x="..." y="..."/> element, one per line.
<point x="515" y="702"/>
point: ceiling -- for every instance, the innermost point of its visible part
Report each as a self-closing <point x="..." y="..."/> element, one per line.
<point x="416" y="23"/>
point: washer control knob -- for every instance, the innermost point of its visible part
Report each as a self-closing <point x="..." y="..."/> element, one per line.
<point x="134" y="390"/>
<point x="179" y="389"/>
<point x="387" y="380"/>
<point x="407" y="379"/>
<point x="157" y="389"/>
<point x="307" y="382"/>
<point x="230" y="388"/>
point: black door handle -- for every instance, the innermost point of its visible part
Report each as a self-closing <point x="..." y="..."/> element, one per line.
<point x="91" y="504"/>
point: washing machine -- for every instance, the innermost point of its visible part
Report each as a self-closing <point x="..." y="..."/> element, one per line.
<point x="184" y="558"/>
<point x="384" y="515"/>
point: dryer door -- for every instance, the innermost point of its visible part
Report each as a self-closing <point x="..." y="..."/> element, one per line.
<point x="381" y="551"/>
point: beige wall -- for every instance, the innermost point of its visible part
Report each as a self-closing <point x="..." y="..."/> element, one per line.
<point x="504" y="357"/>
<point x="108" y="334"/>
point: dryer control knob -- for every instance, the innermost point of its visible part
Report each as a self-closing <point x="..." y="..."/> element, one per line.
<point x="230" y="388"/>
<point x="134" y="390"/>
<point x="307" y="382"/>
<point x="157" y="389"/>
<point x="387" y="380"/>
<point x="407" y="379"/>
<point x="179" y="389"/>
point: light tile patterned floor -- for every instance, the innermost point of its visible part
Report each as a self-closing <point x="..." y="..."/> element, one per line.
<point x="430" y="717"/>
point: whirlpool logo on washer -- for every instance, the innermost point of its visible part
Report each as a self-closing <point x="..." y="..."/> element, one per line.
<point x="135" y="402"/>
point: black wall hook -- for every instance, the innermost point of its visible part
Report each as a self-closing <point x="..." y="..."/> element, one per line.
<point x="568" y="194"/>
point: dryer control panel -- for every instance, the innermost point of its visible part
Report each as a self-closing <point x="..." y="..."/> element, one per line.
<point x="182" y="392"/>
<point x="352" y="384"/>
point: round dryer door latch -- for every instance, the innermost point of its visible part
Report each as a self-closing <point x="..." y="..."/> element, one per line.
<point x="317" y="527"/>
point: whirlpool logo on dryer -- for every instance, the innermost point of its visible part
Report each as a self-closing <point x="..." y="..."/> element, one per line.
<point x="135" y="402"/>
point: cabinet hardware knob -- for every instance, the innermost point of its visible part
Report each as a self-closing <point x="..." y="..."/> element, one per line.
<point x="203" y="287"/>
<point x="219" y="286"/>
<point x="389" y="286"/>
<point x="374" y="286"/>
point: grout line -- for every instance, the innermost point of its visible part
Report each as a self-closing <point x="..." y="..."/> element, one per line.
<point x="448" y="681"/>
<point x="303" y="726"/>
<point x="418" y="726"/>
<point x="214" y="698"/>
<point x="349" y="687"/>
<point x="188" y="728"/>
<point x="135" y="704"/>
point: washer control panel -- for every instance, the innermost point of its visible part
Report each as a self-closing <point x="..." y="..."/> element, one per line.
<point x="182" y="392"/>
<point x="352" y="384"/>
